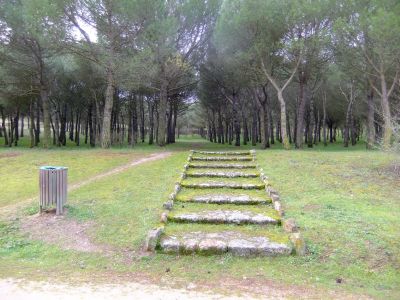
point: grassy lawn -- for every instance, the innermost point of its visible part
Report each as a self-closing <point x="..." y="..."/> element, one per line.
<point x="345" y="201"/>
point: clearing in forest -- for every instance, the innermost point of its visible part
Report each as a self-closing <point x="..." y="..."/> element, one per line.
<point x="223" y="203"/>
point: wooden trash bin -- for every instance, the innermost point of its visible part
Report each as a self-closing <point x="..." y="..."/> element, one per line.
<point x="53" y="187"/>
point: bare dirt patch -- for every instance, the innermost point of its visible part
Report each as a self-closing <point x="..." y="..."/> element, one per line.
<point x="7" y="155"/>
<point x="393" y="170"/>
<point x="66" y="233"/>
<point x="312" y="207"/>
<point x="23" y="289"/>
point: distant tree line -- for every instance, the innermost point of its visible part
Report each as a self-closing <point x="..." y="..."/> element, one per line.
<point x="111" y="71"/>
<point x="108" y="72"/>
<point x="303" y="72"/>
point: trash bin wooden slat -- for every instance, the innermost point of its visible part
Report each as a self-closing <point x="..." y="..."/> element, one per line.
<point x="53" y="187"/>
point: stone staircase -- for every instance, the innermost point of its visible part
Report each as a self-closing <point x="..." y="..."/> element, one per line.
<point x="223" y="203"/>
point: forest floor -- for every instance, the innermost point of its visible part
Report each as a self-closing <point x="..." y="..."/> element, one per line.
<point x="346" y="202"/>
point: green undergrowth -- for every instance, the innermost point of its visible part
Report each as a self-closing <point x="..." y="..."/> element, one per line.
<point x="264" y="209"/>
<point x="186" y="194"/>
<point x="272" y="232"/>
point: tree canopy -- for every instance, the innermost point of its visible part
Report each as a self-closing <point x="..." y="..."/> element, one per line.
<point x="237" y="71"/>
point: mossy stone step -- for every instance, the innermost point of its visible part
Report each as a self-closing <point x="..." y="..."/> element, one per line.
<point x="221" y="158"/>
<point x="222" y="152"/>
<point x="218" y="216"/>
<point x="232" y="242"/>
<point x="222" y="166"/>
<point x="230" y="185"/>
<point x="223" y="174"/>
<point x="228" y="199"/>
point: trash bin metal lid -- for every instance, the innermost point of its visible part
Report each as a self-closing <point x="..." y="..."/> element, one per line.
<point x="53" y="168"/>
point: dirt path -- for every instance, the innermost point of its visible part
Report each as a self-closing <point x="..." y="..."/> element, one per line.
<point x="152" y="157"/>
<point x="21" y="289"/>
<point x="155" y="156"/>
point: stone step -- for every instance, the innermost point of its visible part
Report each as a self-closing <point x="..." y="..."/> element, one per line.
<point x="228" y="199"/>
<point x="222" y="152"/>
<point x="218" y="216"/>
<point x="221" y="158"/>
<point x="223" y="174"/>
<point x="222" y="166"/>
<point x="229" y="185"/>
<point x="232" y="242"/>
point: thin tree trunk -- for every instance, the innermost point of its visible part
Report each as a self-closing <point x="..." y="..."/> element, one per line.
<point x="107" y="112"/>
<point x="3" y="126"/>
<point x="22" y="125"/>
<point x="324" y="119"/>
<point x="162" y="118"/>
<point x="46" y="116"/>
<point x="370" y="120"/>
<point x="37" y="126"/>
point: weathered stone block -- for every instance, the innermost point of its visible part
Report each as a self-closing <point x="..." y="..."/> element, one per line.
<point x="242" y="247"/>
<point x="212" y="246"/>
<point x="289" y="225"/>
<point x="152" y="238"/>
<point x="170" y="245"/>
<point x="274" y="197"/>
<point x="190" y="245"/>
<point x="168" y="205"/>
<point x="164" y="218"/>
<point x="298" y="243"/>
<point x="177" y="187"/>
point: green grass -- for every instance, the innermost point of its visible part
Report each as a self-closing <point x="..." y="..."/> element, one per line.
<point x="345" y="201"/>
<point x="19" y="175"/>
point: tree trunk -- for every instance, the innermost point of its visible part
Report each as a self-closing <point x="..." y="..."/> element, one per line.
<point x="324" y="119"/>
<point x="108" y="106"/>
<point x="162" y="118"/>
<point x="46" y="116"/>
<point x="77" y="129"/>
<point x="387" y="119"/>
<point x="254" y="135"/>
<point x="3" y="126"/>
<point x="370" y="120"/>
<point x="285" y="140"/>
<point x="16" y="131"/>
<point x="151" y="123"/>
<point x="37" y="126"/>
<point x="141" y="108"/>
<point x="301" y="113"/>
<point x="22" y="125"/>
<point x="32" y="124"/>
<point x="311" y="124"/>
